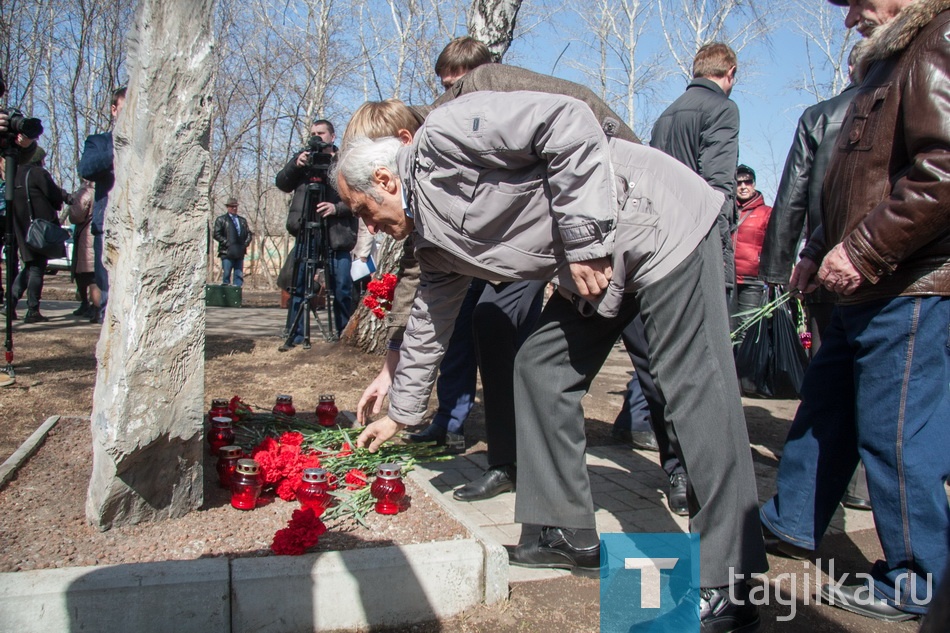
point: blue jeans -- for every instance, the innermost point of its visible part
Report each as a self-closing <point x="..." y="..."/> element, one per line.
<point x="232" y="265"/>
<point x="456" y="385"/>
<point x="342" y="289"/>
<point x="876" y="389"/>
<point x="101" y="274"/>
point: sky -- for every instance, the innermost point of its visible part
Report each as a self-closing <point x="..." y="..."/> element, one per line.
<point x="769" y="107"/>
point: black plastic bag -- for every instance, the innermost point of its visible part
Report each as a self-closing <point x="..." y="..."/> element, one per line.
<point x="752" y="360"/>
<point x="789" y="359"/>
<point x="771" y="361"/>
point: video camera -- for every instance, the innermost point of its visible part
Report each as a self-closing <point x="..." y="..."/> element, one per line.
<point x="316" y="157"/>
<point x="17" y="123"/>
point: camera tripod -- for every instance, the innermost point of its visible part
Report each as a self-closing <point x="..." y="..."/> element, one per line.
<point x="10" y="156"/>
<point x="311" y="254"/>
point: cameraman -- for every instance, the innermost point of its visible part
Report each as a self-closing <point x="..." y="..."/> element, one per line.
<point x="23" y="147"/>
<point x="341" y="224"/>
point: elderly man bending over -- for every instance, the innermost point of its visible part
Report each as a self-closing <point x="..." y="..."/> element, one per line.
<point x="524" y="185"/>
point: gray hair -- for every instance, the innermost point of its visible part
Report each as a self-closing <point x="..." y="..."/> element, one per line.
<point x="359" y="160"/>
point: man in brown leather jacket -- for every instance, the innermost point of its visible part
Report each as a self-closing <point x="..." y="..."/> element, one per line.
<point x="878" y="386"/>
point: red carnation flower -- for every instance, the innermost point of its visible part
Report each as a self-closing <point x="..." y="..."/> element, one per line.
<point x="291" y="438"/>
<point x="355" y="479"/>
<point x="238" y="407"/>
<point x="303" y="532"/>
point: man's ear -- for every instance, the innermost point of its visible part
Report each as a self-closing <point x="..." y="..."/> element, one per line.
<point x="404" y="136"/>
<point x="386" y="180"/>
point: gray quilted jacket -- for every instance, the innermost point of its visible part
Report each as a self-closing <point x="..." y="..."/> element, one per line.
<point x="513" y="186"/>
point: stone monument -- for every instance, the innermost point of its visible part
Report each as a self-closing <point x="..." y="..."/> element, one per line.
<point x="149" y="395"/>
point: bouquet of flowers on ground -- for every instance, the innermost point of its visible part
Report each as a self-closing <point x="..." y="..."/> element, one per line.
<point x="284" y="446"/>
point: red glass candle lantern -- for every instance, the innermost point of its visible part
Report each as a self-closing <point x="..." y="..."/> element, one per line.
<point x="246" y="484"/>
<point x="327" y="411"/>
<point x="219" y="409"/>
<point x="221" y="434"/>
<point x="388" y="489"/>
<point x="285" y="406"/>
<point x="312" y="491"/>
<point x="228" y="457"/>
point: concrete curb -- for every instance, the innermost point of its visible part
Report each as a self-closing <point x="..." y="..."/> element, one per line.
<point x="173" y="596"/>
<point x="496" y="556"/>
<point x="26" y="450"/>
<point x="354" y="589"/>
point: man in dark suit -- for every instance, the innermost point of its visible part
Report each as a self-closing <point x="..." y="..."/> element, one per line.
<point x="701" y="130"/>
<point x="233" y="236"/>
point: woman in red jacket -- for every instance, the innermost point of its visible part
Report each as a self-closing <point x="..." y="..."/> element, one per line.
<point x="753" y="219"/>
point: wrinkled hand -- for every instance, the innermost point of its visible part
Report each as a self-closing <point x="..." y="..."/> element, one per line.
<point x="303" y="159"/>
<point x="4" y="122"/>
<point x="326" y="209"/>
<point x="591" y="277"/>
<point x="371" y="402"/>
<point x="803" y="280"/>
<point x="838" y="274"/>
<point x="374" y="435"/>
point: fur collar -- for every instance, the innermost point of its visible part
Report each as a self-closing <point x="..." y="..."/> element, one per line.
<point x="896" y="35"/>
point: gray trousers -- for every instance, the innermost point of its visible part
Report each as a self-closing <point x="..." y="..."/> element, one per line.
<point x="687" y="330"/>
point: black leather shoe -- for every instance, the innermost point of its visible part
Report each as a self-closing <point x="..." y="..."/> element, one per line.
<point x="644" y="441"/>
<point x="554" y="550"/>
<point x="495" y="481"/>
<point x="640" y="440"/>
<point x="676" y="498"/>
<point x="719" y="614"/>
<point x="856" y="503"/>
<point x="776" y="546"/>
<point x="860" y="599"/>
<point x="34" y="316"/>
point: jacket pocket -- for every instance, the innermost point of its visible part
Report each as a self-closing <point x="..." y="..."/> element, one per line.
<point x="863" y="118"/>
<point x="502" y="209"/>
<point x="637" y="237"/>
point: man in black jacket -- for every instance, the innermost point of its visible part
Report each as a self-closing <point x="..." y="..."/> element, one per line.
<point x="797" y="209"/>
<point x="798" y="202"/>
<point x="341" y="224"/>
<point x="701" y="130"/>
<point x="233" y="236"/>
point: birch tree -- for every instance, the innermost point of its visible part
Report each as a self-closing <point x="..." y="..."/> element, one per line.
<point x="688" y="24"/>
<point x="62" y="59"/>
<point x="492" y="22"/>
<point x="827" y="45"/>
<point x="617" y="71"/>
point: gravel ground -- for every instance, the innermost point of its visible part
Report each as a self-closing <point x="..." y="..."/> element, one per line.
<point x="43" y="523"/>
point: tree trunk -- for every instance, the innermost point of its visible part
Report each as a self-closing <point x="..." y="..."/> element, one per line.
<point x="364" y="330"/>
<point x="148" y="402"/>
<point x="493" y="23"/>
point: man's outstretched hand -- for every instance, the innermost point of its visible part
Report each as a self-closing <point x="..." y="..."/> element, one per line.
<point x="376" y="433"/>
